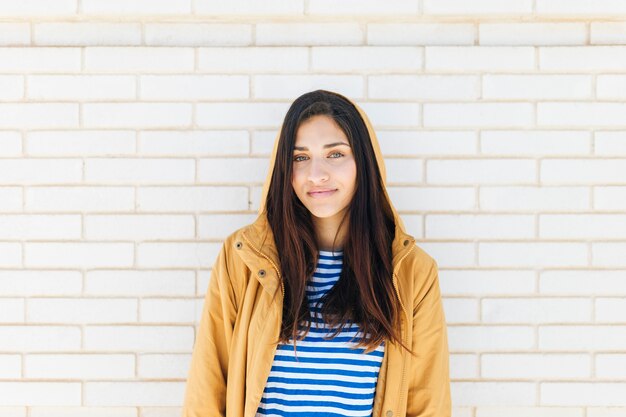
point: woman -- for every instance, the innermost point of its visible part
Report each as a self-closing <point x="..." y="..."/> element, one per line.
<point x="324" y="306"/>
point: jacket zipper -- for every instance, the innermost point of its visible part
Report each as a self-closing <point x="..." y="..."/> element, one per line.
<point x="403" y="341"/>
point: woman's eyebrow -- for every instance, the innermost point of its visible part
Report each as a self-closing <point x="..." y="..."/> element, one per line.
<point x="329" y="145"/>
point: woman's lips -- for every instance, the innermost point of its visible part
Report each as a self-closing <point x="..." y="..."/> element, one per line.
<point x="321" y="194"/>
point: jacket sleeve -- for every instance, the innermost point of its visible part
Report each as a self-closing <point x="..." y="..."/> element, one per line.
<point x="429" y="377"/>
<point x="205" y="392"/>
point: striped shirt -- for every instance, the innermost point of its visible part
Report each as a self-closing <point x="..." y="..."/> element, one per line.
<point x="328" y="377"/>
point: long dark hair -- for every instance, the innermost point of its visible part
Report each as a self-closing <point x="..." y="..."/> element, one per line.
<point x="364" y="293"/>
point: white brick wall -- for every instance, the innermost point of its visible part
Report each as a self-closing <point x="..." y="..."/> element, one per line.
<point x="504" y="131"/>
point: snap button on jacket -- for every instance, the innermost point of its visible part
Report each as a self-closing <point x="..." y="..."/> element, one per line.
<point x="242" y="314"/>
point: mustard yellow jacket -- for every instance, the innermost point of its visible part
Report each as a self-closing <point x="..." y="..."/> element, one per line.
<point x="233" y="351"/>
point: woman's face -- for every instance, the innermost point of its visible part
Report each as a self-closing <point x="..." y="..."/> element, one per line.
<point x="324" y="170"/>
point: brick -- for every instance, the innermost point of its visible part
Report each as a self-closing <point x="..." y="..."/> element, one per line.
<point x="85" y="310"/>
<point x="37" y="60"/>
<point x="605" y="411"/>
<point x="197" y="34"/>
<point x="139" y="283"/>
<point x="359" y="8"/>
<point x="539" y="87"/>
<point x="424" y="87"/>
<point x="610" y="365"/>
<point x="588" y="226"/>
<point x="577" y="338"/>
<point x="452" y="254"/>
<point x="485" y="282"/>
<point x="148" y="59"/>
<point x="582" y="282"/>
<point x="38" y="115"/>
<point x="219" y="226"/>
<point x="40" y="171"/>
<point x="253" y="59"/>
<point x="87" y="34"/>
<point x="194" y="143"/>
<point x="139" y="227"/>
<point x="608" y="254"/>
<point x="611" y="87"/>
<point x="535" y="142"/>
<point x="495" y="411"/>
<point x="10" y="254"/>
<point x="10" y="199"/>
<point x="139" y="170"/>
<point x="609" y="198"/>
<point x="11" y="311"/>
<point x="194" y="87"/>
<point x="40" y="393"/>
<point x="420" y="34"/>
<point x="10" y="145"/>
<point x="138" y="338"/>
<point x="38" y="338"/>
<point x="366" y="58"/>
<point x="607" y="33"/>
<point x="11" y="87"/>
<point x="258" y="114"/>
<point x="305" y="34"/>
<point x="164" y="366"/>
<point x="580" y="7"/>
<point x="463" y="365"/>
<point x="481" y="226"/>
<point x="80" y="143"/>
<point x="482" y="171"/>
<point x="177" y="255"/>
<point x="532" y="254"/>
<point x="536" y="310"/>
<point x="490" y="338"/>
<point x="610" y="310"/>
<point x="531" y="198"/>
<point x="406" y="170"/>
<point x="14" y="34"/>
<point x="78" y="255"/>
<point x="13" y="411"/>
<point x="38" y="8"/>
<point x="81" y="87"/>
<point x="124" y="7"/>
<point x="482" y="393"/>
<point x="610" y="143"/>
<point x="392" y="114"/>
<point x="582" y="58"/>
<point x="424" y="143"/>
<point x="191" y="199"/>
<point x="479" y="58"/>
<point x="239" y="7"/>
<point x="38" y="227"/>
<point x="583" y="171"/>
<point x="79" y="366"/>
<point x="535" y="366"/>
<point x="83" y="199"/>
<point x="82" y="411"/>
<point x="287" y="86"/>
<point x="10" y="367"/>
<point x="231" y="170"/>
<point x="461" y="310"/>
<point x="111" y="115"/>
<point x="39" y="282"/>
<point x="581" y="114"/>
<point x="583" y="393"/>
<point x="167" y="311"/>
<point x="518" y="34"/>
<point x="477" y="7"/>
<point x="478" y="114"/>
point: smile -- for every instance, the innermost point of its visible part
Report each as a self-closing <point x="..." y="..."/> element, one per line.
<point x="321" y="194"/>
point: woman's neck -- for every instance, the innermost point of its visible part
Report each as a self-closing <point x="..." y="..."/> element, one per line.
<point x="325" y="231"/>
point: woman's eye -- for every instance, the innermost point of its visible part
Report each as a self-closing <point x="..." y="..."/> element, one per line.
<point x="296" y="159"/>
<point x="337" y="153"/>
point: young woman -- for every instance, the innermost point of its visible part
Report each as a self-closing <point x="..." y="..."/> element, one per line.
<point x="324" y="306"/>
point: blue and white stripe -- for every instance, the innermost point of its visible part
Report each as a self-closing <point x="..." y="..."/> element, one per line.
<point x="324" y="377"/>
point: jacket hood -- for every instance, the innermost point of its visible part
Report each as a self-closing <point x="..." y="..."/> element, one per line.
<point x="261" y="224"/>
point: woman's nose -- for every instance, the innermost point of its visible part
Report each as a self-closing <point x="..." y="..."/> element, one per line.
<point x="317" y="171"/>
